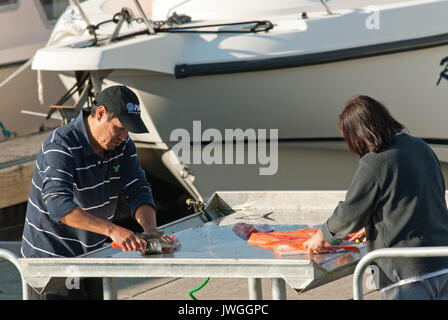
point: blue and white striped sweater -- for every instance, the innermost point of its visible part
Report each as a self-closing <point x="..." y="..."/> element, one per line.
<point x="69" y="174"/>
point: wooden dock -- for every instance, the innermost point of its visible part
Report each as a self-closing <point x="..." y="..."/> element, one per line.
<point x="17" y="160"/>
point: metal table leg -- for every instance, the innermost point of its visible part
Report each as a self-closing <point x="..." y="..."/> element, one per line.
<point x="110" y="289"/>
<point x="27" y="292"/>
<point x="278" y="289"/>
<point x="255" y="291"/>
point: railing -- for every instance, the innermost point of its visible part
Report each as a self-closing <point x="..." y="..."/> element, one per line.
<point x="391" y="253"/>
<point x="148" y="22"/>
<point x="13" y="258"/>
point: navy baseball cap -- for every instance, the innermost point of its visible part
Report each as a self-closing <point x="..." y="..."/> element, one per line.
<point x="123" y="102"/>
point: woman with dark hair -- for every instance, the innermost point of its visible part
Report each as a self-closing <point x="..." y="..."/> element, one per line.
<point x="396" y="199"/>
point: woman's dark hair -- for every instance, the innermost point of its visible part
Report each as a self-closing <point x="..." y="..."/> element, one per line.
<point x="367" y="126"/>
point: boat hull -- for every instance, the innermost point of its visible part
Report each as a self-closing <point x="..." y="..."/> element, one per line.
<point x="302" y="103"/>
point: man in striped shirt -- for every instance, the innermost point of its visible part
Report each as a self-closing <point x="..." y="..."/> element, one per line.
<point x="81" y="171"/>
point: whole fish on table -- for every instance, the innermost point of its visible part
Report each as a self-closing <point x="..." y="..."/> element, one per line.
<point x="153" y="243"/>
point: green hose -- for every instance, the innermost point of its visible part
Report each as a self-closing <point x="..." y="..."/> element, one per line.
<point x="197" y="289"/>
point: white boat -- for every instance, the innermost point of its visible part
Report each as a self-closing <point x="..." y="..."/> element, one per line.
<point x="26" y="27"/>
<point x="291" y="70"/>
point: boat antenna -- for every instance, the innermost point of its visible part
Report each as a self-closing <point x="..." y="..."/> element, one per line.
<point x="326" y="7"/>
<point x="81" y="12"/>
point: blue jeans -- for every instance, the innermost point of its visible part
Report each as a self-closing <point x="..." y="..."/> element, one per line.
<point x="435" y="288"/>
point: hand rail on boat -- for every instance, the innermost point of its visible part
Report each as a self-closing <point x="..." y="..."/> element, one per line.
<point x="148" y="22"/>
<point x="326" y="7"/>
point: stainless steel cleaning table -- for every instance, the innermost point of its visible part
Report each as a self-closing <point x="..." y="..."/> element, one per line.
<point x="212" y="249"/>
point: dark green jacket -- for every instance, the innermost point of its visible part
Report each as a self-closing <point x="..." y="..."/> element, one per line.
<point x="398" y="195"/>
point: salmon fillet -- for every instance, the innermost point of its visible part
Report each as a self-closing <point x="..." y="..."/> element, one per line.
<point x="291" y="242"/>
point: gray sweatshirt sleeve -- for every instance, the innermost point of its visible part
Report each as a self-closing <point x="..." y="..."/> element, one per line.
<point x="355" y="211"/>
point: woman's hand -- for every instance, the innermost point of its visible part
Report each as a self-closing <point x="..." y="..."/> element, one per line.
<point x="315" y="244"/>
<point x="360" y="234"/>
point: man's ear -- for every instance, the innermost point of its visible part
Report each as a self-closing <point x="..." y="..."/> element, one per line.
<point x="100" y="113"/>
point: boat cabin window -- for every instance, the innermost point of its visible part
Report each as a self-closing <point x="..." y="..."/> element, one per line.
<point x="8" y="4"/>
<point x="53" y="8"/>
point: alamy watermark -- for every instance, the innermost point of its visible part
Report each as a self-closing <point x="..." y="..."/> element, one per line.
<point x="72" y="281"/>
<point x="372" y="279"/>
<point x="373" y="20"/>
<point x="228" y="147"/>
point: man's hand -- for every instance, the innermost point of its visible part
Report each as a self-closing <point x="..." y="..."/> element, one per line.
<point x="146" y="217"/>
<point x="167" y="239"/>
<point x="126" y="239"/>
<point x="81" y="219"/>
